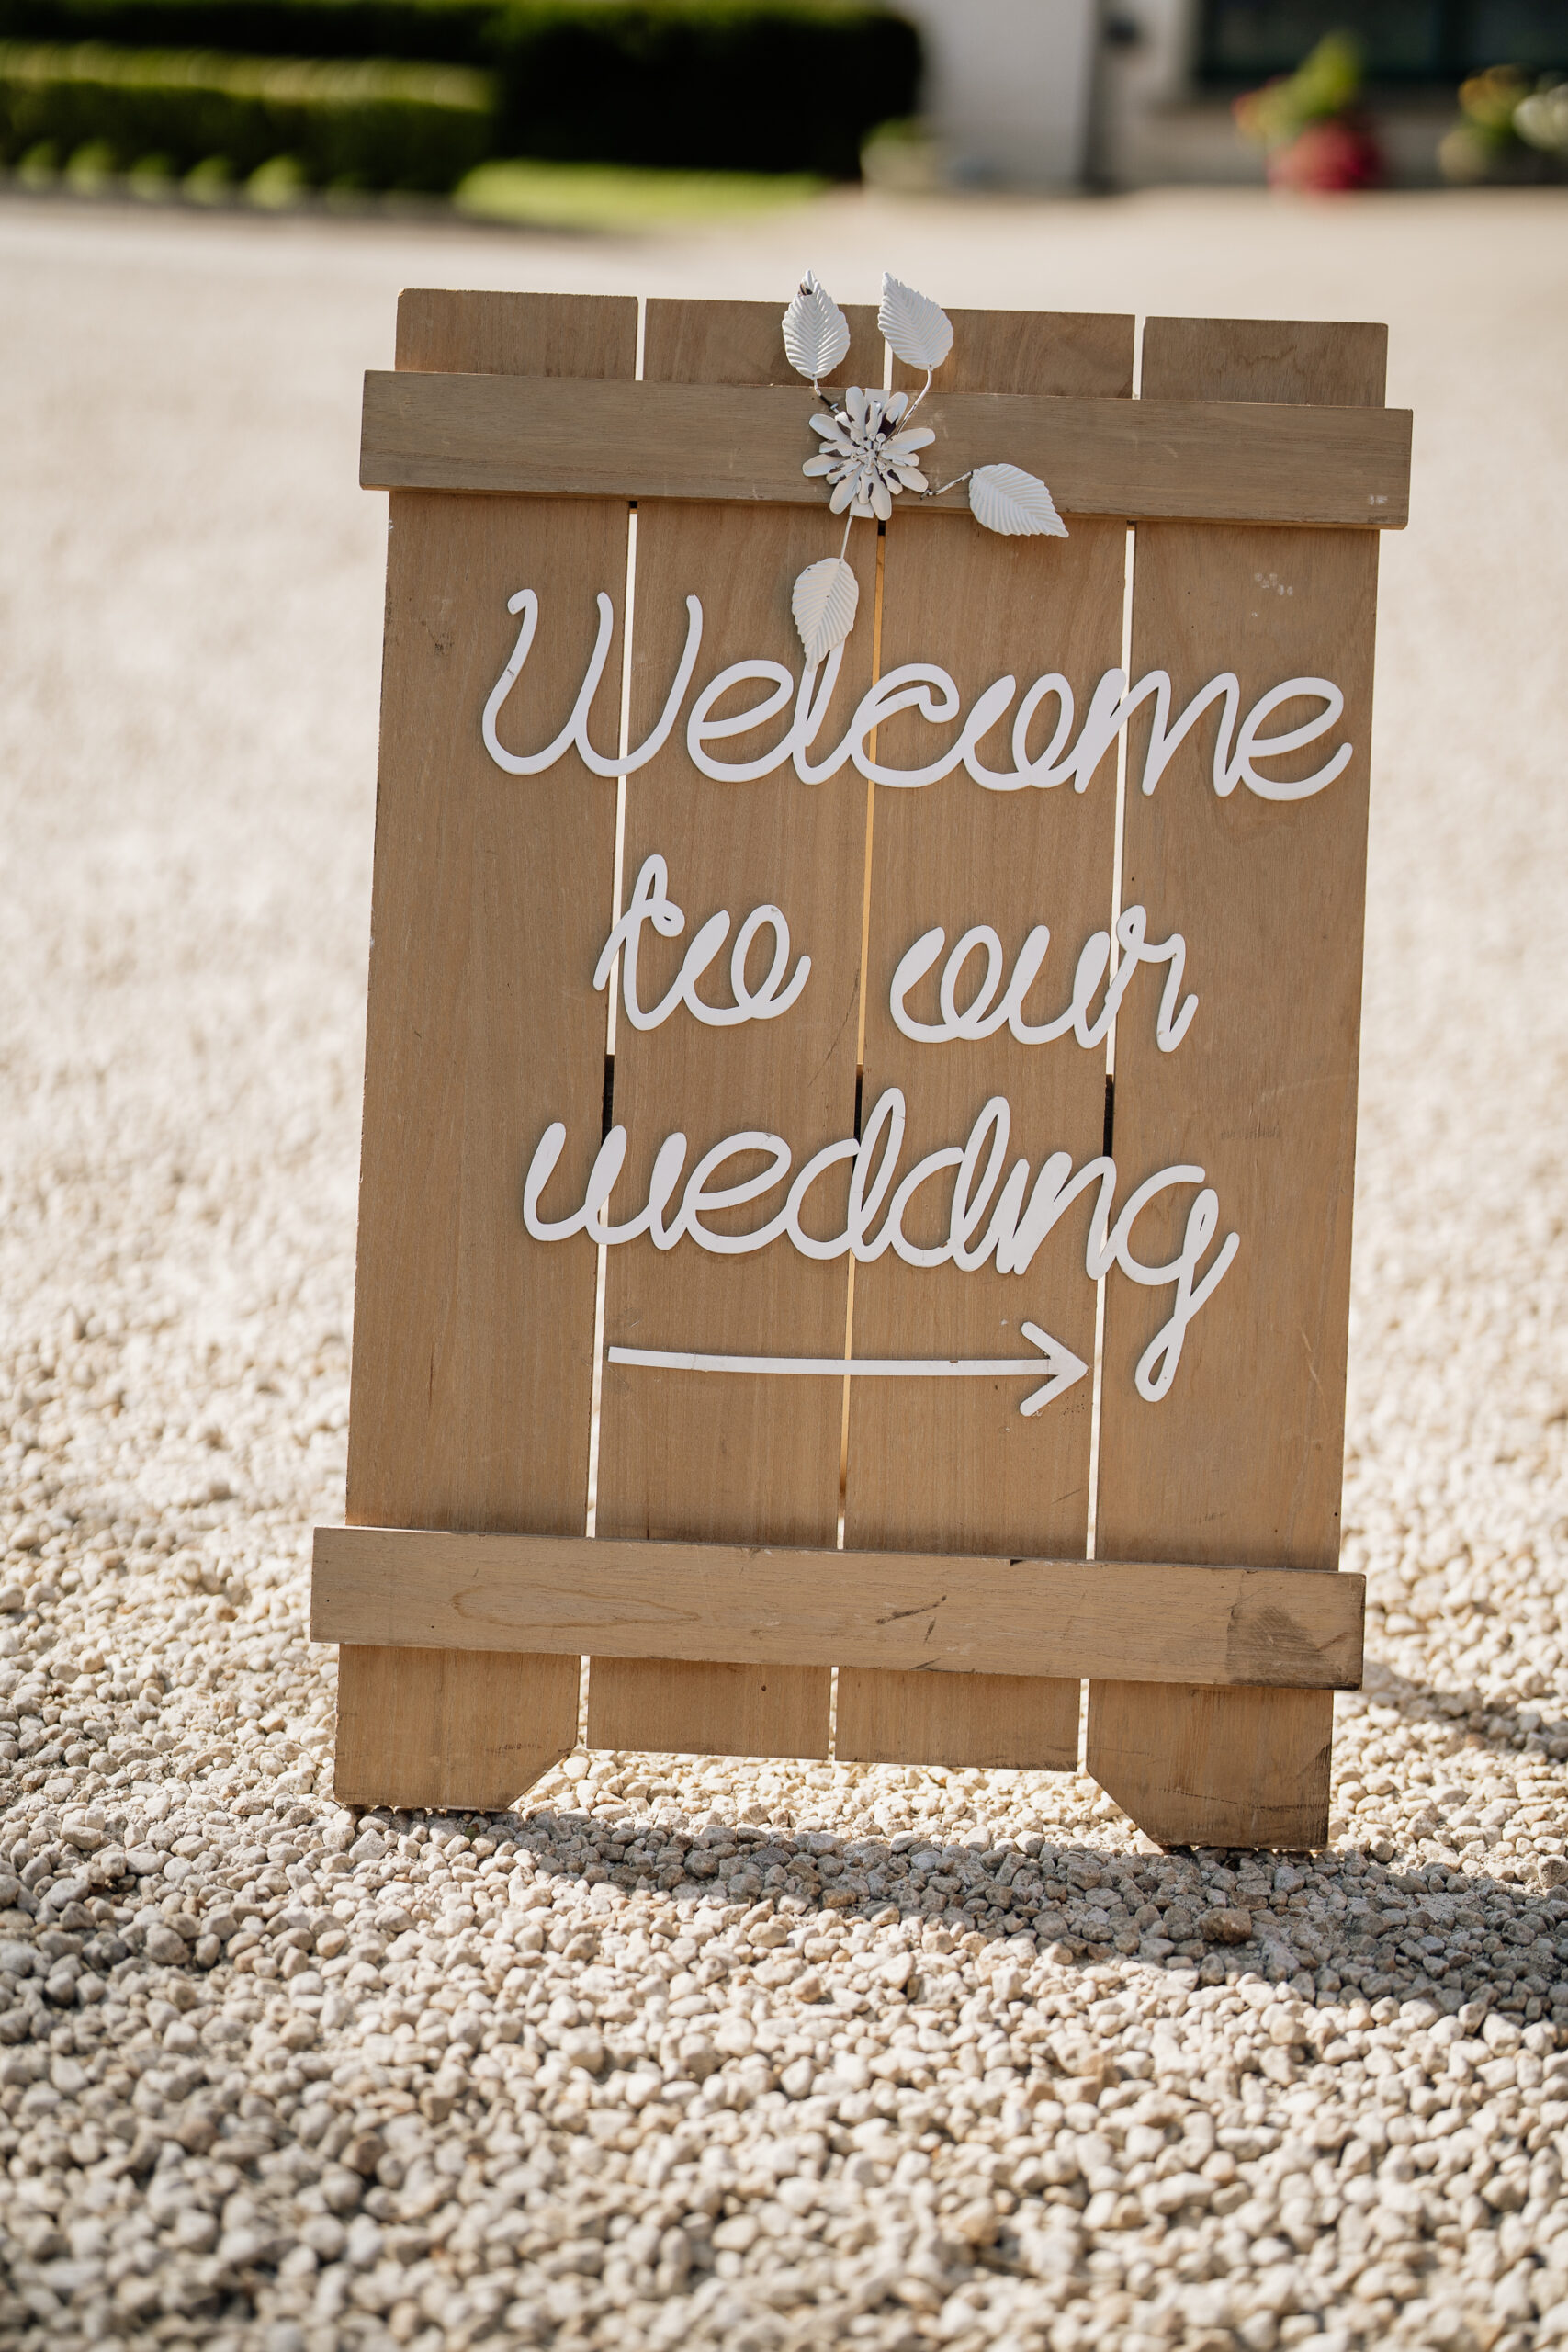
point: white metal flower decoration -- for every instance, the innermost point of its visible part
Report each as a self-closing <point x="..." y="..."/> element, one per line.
<point x="865" y="455"/>
<point x="870" y="449"/>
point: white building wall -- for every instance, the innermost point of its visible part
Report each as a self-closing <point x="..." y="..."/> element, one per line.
<point x="1009" y="85"/>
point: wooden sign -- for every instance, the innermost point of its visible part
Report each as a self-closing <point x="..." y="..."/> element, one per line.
<point x="860" y="1117"/>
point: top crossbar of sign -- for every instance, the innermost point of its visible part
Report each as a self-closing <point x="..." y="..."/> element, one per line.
<point x="1230" y="461"/>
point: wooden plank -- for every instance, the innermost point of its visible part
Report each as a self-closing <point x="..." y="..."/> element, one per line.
<point x="937" y="1464"/>
<point x="1243" y="1459"/>
<point x="996" y="1721"/>
<point x="1325" y="363"/>
<point x="473" y="1346"/>
<point x="1169" y="1741"/>
<point x="439" y="1727"/>
<point x="745" y="1461"/>
<point x="699" y="1708"/>
<point x="1199" y="460"/>
<point x="444" y="331"/>
<point x="1139" y="1621"/>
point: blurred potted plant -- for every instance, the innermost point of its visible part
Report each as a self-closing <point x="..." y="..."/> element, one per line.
<point x="1311" y="125"/>
<point x="1509" y="129"/>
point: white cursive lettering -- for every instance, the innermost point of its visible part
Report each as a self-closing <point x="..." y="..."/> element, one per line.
<point x="983" y="1016"/>
<point x="928" y="690"/>
<point x="1019" y="1225"/>
<point x="651" y="904"/>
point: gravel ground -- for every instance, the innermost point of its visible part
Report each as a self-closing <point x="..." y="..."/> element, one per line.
<point x="687" y="2054"/>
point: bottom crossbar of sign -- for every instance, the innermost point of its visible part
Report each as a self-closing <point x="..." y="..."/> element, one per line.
<point x="1120" y="1620"/>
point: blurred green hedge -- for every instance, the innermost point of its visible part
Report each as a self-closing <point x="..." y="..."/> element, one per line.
<point x="445" y="32"/>
<point x="780" y="86"/>
<point x="708" y="82"/>
<point x="374" y="123"/>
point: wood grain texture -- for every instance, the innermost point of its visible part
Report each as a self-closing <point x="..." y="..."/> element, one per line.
<point x="992" y="1721"/>
<point x="689" y="1708"/>
<point x="473" y="1346"/>
<point x="910" y="1612"/>
<point x="1329" y="363"/>
<point x="440" y="1727"/>
<point x="733" y="1458"/>
<point x="448" y="332"/>
<point x="1201" y="460"/>
<point x="1054" y="354"/>
<point x="1243" y="1459"/>
<point x="732" y="346"/>
<point x="1212" y="1767"/>
<point x="955" y="1466"/>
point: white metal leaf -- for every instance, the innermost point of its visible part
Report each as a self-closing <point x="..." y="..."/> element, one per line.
<point x="815" y="332"/>
<point x="826" y="599"/>
<point x="1019" y="506"/>
<point x="919" y="333"/>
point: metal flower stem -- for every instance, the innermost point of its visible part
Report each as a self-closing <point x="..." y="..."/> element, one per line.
<point x="828" y="404"/>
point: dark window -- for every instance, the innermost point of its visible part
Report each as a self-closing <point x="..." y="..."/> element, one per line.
<point x="1402" y="40"/>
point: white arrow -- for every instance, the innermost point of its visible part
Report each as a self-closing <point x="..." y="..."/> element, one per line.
<point x="1064" y="1367"/>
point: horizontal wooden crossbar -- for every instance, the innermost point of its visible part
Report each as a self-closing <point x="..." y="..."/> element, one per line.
<point x="1220" y="461"/>
<point x="1111" y="1620"/>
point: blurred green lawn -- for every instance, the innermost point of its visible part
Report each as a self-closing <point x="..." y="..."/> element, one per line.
<point x="621" y="197"/>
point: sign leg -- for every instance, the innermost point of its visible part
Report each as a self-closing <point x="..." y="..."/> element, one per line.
<point x="442" y="1728"/>
<point x="1215" y="1768"/>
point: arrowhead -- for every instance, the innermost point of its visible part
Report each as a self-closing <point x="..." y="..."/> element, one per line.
<point x="1065" y="1368"/>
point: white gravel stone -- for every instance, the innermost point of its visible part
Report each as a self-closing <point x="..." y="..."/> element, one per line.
<point x="688" y="2052"/>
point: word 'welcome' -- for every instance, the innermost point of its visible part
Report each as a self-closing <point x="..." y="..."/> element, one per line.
<point x="929" y="690"/>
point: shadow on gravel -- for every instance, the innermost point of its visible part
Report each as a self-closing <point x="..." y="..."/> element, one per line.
<point x="1499" y="1722"/>
<point x="259" y="2062"/>
<point x="1329" y="1926"/>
